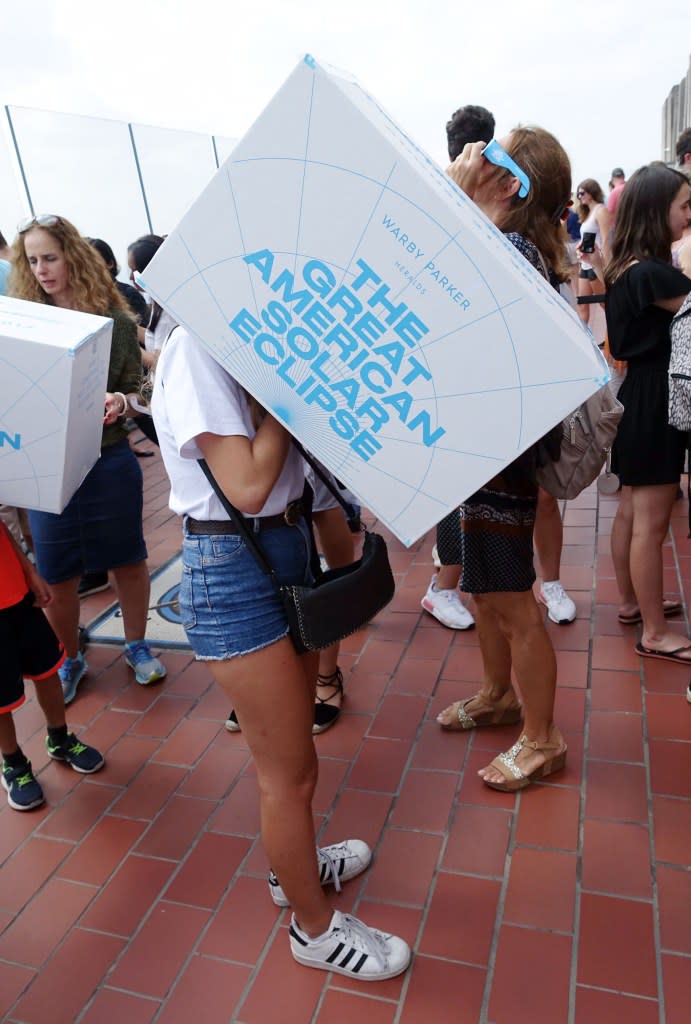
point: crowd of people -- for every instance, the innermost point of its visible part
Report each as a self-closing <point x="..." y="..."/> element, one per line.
<point x="629" y="252"/>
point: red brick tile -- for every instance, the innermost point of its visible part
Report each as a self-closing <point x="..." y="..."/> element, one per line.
<point x="298" y="986"/>
<point x="339" y="1007"/>
<point x="399" y="717"/>
<point x="124" y="901"/>
<point x="425" y="800"/>
<point x="126" y="758"/>
<point x="593" y="1006"/>
<point x="13" y="981"/>
<point x="26" y="871"/>
<point x="193" y="682"/>
<point x="358" y="814"/>
<point x="15" y="828"/>
<point x="155" y="957"/>
<point x="107" y="729"/>
<point x="574" y="637"/>
<point x="133" y="697"/>
<point x="148" y="793"/>
<point x="464" y="664"/>
<point x="208" y="870"/>
<point x="477" y="841"/>
<point x="663" y="677"/>
<point x="569" y="710"/>
<point x="473" y="789"/>
<point x="176" y="828"/>
<point x="162" y="717"/>
<point x="615" y="691"/>
<point x="111" y="1007"/>
<point x="439" y="750"/>
<point x="432" y="644"/>
<point x="221" y="985"/>
<point x="616" y="791"/>
<point x="674" y="892"/>
<point x="66" y="983"/>
<point x="541" y="890"/>
<point x="607" y="622"/>
<point x="216" y="770"/>
<point x="97" y="856"/>
<point x="617" y="948"/>
<point x="390" y="877"/>
<point x="572" y="668"/>
<point x="461" y="918"/>
<point x="550" y="820"/>
<point x="666" y="719"/>
<point x="42" y="925"/>
<point x="607" y="845"/>
<point x="79" y="812"/>
<point x="670" y="766"/>
<point x="443" y="993"/>
<point x="344" y="742"/>
<point x="213" y="705"/>
<point x="380" y="656"/>
<point x="531" y="975"/>
<point x="188" y="742"/>
<point x="239" y="812"/>
<point x="672" y="823"/>
<point x="615" y="736"/>
<point x="331" y="775"/>
<point x="675" y="971"/>
<point x="419" y="676"/>
<point x="248" y="901"/>
<point x="379" y="765"/>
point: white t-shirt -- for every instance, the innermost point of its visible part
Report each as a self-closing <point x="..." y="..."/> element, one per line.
<point x="155" y="340"/>
<point x="194" y="395"/>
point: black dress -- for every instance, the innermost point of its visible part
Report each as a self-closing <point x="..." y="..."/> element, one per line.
<point x="647" y="450"/>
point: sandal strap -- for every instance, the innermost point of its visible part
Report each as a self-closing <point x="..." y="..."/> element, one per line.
<point x="463" y="717"/>
<point x="334" y="681"/>
<point x="506" y="762"/>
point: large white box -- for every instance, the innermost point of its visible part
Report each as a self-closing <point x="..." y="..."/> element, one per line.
<point x="53" y="375"/>
<point x="347" y="283"/>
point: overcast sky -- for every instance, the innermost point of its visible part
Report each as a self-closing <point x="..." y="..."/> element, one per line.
<point x="594" y="73"/>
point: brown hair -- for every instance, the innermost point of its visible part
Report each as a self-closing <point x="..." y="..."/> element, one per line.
<point x="592" y="187"/>
<point x="538" y="216"/>
<point x="642" y="229"/>
<point x="92" y="286"/>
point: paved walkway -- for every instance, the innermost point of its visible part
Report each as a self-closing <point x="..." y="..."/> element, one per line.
<point x="139" y="894"/>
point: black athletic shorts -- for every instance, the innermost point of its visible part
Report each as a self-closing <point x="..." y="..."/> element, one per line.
<point x="30" y="649"/>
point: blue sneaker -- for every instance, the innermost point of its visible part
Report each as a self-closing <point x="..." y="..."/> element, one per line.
<point x="147" y="668"/>
<point x="82" y="758"/>
<point x="23" y="791"/>
<point x="71" y="673"/>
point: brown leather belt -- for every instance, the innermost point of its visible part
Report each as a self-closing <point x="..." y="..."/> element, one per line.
<point x="216" y="527"/>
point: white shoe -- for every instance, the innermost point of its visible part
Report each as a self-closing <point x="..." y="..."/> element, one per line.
<point x="560" y="607"/>
<point x="447" y="607"/>
<point x="337" y="863"/>
<point x="349" y="947"/>
<point x="435" y="558"/>
<point x="688" y="693"/>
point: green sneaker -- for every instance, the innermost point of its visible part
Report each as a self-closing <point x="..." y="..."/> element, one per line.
<point x="23" y="790"/>
<point x="77" y="755"/>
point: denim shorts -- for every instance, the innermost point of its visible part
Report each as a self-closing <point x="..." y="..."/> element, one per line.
<point x="228" y="606"/>
<point x="101" y="526"/>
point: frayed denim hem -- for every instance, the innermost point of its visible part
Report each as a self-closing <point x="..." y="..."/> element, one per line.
<point x="240" y="654"/>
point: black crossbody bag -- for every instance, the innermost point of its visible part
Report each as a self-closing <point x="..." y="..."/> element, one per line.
<point x="340" y="601"/>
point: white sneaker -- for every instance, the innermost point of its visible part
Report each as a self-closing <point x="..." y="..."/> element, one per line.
<point x="349" y="947"/>
<point x="688" y="693"/>
<point x="337" y="863"/>
<point x="447" y="607"/>
<point x="560" y="607"/>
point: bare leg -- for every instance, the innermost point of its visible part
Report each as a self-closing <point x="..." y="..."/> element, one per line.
<point x="549" y="535"/>
<point x="622" y="530"/>
<point x="338" y="548"/>
<point x="584" y="290"/>
<point x="286" y="762"/>
<point x="63" y="614"/>
<point x="448" y="577"/>
<point x="8" y="734"/>
<point x="50" y="699"/>
<point x="133" y="588"/>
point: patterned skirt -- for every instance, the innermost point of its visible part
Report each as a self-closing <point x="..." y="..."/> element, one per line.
<point x="491" y="536"/>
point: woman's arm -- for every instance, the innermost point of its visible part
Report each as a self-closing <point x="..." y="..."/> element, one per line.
<point x="671" y="305"/>
<point x="594" y="260"/>
<point x="604" y="223"/>
<point x="246" y="470"/>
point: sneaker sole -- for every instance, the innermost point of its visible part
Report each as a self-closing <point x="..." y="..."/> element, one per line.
<point x="323" y="966"/>
<point x="69" y="696"/>
<point x="74" y="767"/>
<point x="433" y="612"/>
<point x="20" y="807"/>
<point x="155" y="678"/>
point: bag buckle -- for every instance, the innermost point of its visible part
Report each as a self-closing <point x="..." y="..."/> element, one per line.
<point x="292" y="513"/>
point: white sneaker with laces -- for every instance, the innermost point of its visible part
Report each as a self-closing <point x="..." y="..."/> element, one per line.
<point x="337" y="863"/>
<point x="447" y="607"/>
<point x="560" y="607"/>
<point x="349" y="947"/>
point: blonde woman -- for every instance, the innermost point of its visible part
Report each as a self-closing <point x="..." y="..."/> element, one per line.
<point x="101" y="527"/>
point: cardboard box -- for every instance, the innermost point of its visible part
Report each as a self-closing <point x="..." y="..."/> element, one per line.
<point x="54" y="368"/>
<point x="348" y="284"/>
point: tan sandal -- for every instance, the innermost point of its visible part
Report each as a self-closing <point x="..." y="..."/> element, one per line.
<point x="501" y="712"/>
<point x="514" y="778"/>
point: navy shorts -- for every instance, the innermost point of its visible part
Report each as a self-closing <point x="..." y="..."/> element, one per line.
<point x="228" y="606"/>
<point x="30" y="649"/>
<point x="101" y="527"/>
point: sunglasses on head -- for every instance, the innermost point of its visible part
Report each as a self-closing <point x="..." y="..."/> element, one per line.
<point x="497" y="155"/>
<point x="43" y="220"/>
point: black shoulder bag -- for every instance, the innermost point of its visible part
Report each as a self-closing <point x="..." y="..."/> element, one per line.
<point x="340" y="601"/>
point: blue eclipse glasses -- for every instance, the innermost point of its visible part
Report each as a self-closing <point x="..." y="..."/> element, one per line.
<point x="497" y="155"/>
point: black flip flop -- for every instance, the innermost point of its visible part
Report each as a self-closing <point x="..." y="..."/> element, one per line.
<point x="673" y="609"/>
<point x="650" y="652"/>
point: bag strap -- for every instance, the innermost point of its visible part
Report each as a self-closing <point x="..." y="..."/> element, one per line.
<point x="319" y="472"/>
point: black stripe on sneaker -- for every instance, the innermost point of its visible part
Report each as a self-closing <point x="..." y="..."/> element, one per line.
<point x="341" y="867"/>
<point x="348" y="957"/>
<point x="360" y="963"/>
<point x="337" y="952"/>
<point x="298" y="938"/>
<point x="324" y="872"/>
